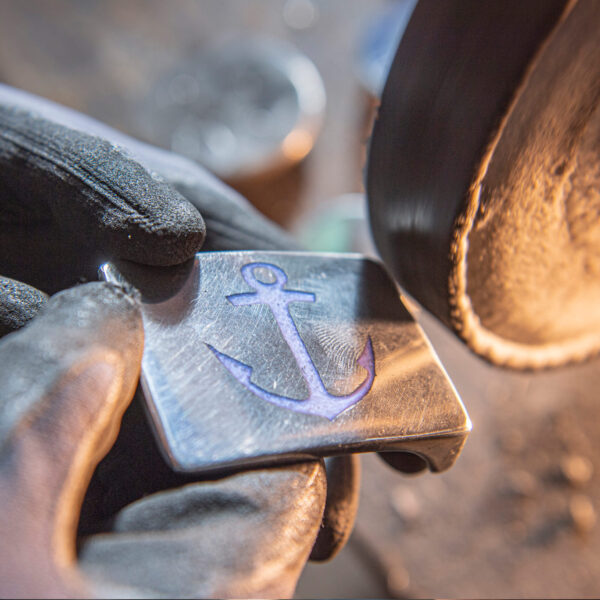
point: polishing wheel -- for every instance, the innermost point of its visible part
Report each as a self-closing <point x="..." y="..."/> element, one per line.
<point x="484" y="174"/>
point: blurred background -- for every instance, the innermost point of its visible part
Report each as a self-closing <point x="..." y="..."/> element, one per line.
<point x="277" y="98"/>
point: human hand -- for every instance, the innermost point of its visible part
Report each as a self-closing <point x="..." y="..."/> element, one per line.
<point x="78" y="199"/>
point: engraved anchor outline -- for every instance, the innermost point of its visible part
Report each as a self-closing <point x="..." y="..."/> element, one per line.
<point x="319" y="402"/>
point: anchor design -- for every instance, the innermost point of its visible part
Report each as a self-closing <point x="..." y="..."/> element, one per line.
<point x="320" y="401"/>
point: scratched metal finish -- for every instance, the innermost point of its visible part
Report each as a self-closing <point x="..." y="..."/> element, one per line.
<point x="201" y="345"/>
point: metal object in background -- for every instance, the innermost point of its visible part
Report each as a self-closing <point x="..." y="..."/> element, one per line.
<point x="241" y="109"/>
<point x="258" y="357"/>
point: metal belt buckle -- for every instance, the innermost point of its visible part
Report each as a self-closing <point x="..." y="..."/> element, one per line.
<point x="261" y="357"/>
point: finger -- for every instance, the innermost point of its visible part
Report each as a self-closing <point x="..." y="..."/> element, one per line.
<point x="343" y="485"/>
<point x="66" y="380"/>
<point x="19" y="303"/>
<point x="232" y="223"/>
<point x="98" y="198"/>
<point x="245" y="536"/>
<point x="405" y="462"/>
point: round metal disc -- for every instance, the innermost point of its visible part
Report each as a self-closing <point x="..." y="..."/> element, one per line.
<point x="240" y="109"/>
<point x="483" y="174"/>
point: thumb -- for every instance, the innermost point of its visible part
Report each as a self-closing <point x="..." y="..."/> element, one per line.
<point x="66" y="379"/>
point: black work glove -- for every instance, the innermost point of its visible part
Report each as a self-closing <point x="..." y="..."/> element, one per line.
<point x="69" y="201"/>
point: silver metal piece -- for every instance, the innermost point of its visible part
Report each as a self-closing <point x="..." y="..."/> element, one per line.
<point x="255" y="357"/>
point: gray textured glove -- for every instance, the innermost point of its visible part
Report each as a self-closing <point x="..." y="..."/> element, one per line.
<point x="75" y="192"/>
<point x="70" y="200"/>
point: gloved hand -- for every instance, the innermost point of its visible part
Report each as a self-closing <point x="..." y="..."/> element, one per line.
<point x="69" y="201"/>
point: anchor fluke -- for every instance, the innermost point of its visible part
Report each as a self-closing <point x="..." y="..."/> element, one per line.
<point x="238" y="369"/>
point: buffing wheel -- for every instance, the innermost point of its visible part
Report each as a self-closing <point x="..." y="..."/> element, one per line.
<point x="484" y="175"/>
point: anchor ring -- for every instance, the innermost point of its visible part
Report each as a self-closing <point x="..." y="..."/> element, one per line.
<point x="251" y="279"/>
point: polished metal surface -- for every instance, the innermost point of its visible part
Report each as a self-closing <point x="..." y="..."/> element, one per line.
<point x="254" y="357"/>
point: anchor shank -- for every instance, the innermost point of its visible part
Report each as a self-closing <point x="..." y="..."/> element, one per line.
<point x="290" y="334"/>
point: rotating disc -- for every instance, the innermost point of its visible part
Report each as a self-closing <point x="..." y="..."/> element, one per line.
<point x="484" y="172"/>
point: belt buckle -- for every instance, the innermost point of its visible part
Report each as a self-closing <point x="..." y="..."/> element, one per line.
<point x="255" y="357"/>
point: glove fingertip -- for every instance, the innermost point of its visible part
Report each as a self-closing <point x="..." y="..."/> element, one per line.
<point x="19" y="303"/>
<point x="175" y="236"/>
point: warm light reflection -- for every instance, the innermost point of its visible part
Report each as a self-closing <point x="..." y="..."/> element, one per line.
<point x="297" y="144"/>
